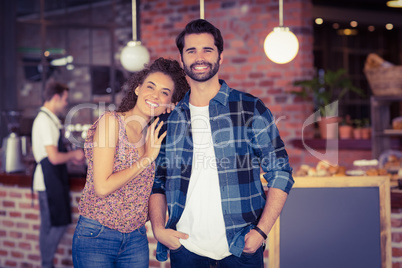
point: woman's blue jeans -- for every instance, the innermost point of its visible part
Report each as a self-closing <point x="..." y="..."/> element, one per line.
<point x="97" y="246"/>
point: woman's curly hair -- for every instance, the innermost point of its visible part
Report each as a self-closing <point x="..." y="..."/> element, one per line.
<point x="166" y="66"/>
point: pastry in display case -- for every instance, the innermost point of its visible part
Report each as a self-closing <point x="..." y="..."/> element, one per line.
<point x="397" y="123"/>
<point x="322" y="169"/>
<point x="391" y="161"/>
<point x="361" y="167"/>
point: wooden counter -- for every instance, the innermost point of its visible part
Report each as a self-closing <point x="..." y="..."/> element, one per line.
<point x="77" y="182"/>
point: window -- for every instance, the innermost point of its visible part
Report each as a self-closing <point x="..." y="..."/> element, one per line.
<point x="72" y="42"/>
<point x="336" y="48"/>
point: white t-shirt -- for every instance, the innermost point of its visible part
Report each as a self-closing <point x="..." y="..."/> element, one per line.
<point x="202" y="218"/>
<point x="45" y="132"/>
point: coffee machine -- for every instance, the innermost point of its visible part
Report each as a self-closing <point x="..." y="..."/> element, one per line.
<point x="12" y="147"/>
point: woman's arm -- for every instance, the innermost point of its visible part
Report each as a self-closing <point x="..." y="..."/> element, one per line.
<point x="105" y="141"/>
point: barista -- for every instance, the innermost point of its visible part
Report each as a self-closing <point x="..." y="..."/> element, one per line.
<point x="50" y="177"/>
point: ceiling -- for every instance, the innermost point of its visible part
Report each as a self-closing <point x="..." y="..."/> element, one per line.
<point x="365" y="12"/>
<point x="363" y="5"/>
<point x="26" y="7"/>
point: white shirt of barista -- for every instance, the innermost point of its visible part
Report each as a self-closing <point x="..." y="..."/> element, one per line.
<point x="45" y="132"/>
<point x="202" y="218"/>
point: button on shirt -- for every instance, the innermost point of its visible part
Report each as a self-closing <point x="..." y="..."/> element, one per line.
<point x="245" y="140"/>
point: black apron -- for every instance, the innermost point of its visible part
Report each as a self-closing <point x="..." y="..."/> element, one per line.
<point x="57" y="187"/>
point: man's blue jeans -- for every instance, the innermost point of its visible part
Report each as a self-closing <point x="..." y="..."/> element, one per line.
<point x="49" y="236"/>
<point x="181" y="257"/>
<point x="97" y="246"/>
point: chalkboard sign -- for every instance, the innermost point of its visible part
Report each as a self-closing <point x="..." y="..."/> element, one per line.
<point x="332" y="222"/>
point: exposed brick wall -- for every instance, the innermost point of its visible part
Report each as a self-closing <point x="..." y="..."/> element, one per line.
<point x="244" y="26"/>
<point x="19" y="233"/>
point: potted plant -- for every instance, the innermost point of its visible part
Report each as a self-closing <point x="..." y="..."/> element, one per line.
<point x="326" y="89"/>
<point x="357" y="130"/>
<point x="366" y="129"/>
<point x="346" y="128"/>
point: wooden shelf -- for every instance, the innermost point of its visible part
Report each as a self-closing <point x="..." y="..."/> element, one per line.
<point x="347" y="144"/>
<point x="384" y="138"/>
<point x="393" y="132"/>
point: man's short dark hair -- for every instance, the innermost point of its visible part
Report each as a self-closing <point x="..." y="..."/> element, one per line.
<point x="53" y="88"/>
<point x="197" y="27"/>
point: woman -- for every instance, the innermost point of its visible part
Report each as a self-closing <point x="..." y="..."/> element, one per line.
<point x="120" y="149"/>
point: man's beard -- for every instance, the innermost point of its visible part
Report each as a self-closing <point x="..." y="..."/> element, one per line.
<point x="202" y="77"/>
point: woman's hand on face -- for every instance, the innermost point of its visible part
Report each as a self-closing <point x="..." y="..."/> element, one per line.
<point x="153" y="141"/>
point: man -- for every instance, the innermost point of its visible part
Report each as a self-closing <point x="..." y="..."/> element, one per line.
<point x="208" y="172"/>
<point x="50" y="175"/>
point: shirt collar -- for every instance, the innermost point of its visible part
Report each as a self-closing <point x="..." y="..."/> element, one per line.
<point x="52" y="115"/>
<point x="222" y="97"/>
<point x="223" y="94"/>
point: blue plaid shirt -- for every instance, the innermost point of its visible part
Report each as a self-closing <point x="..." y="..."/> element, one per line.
<point x="245" y="140"/>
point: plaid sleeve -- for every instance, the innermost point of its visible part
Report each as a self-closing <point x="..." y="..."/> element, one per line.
<point x="270" y="149"/>
<point x="160" y="163"/>
<point x="160" y="173"/>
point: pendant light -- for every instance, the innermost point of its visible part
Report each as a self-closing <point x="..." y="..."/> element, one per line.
<point x="134" y="56"/>
<point x="395" y="3"/>
<point x="281" y="45"/>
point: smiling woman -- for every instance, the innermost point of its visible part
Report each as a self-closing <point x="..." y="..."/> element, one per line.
<point x="154" y="95"/>
<point x="167" y="67"/>
<point x="121" y="148"/>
